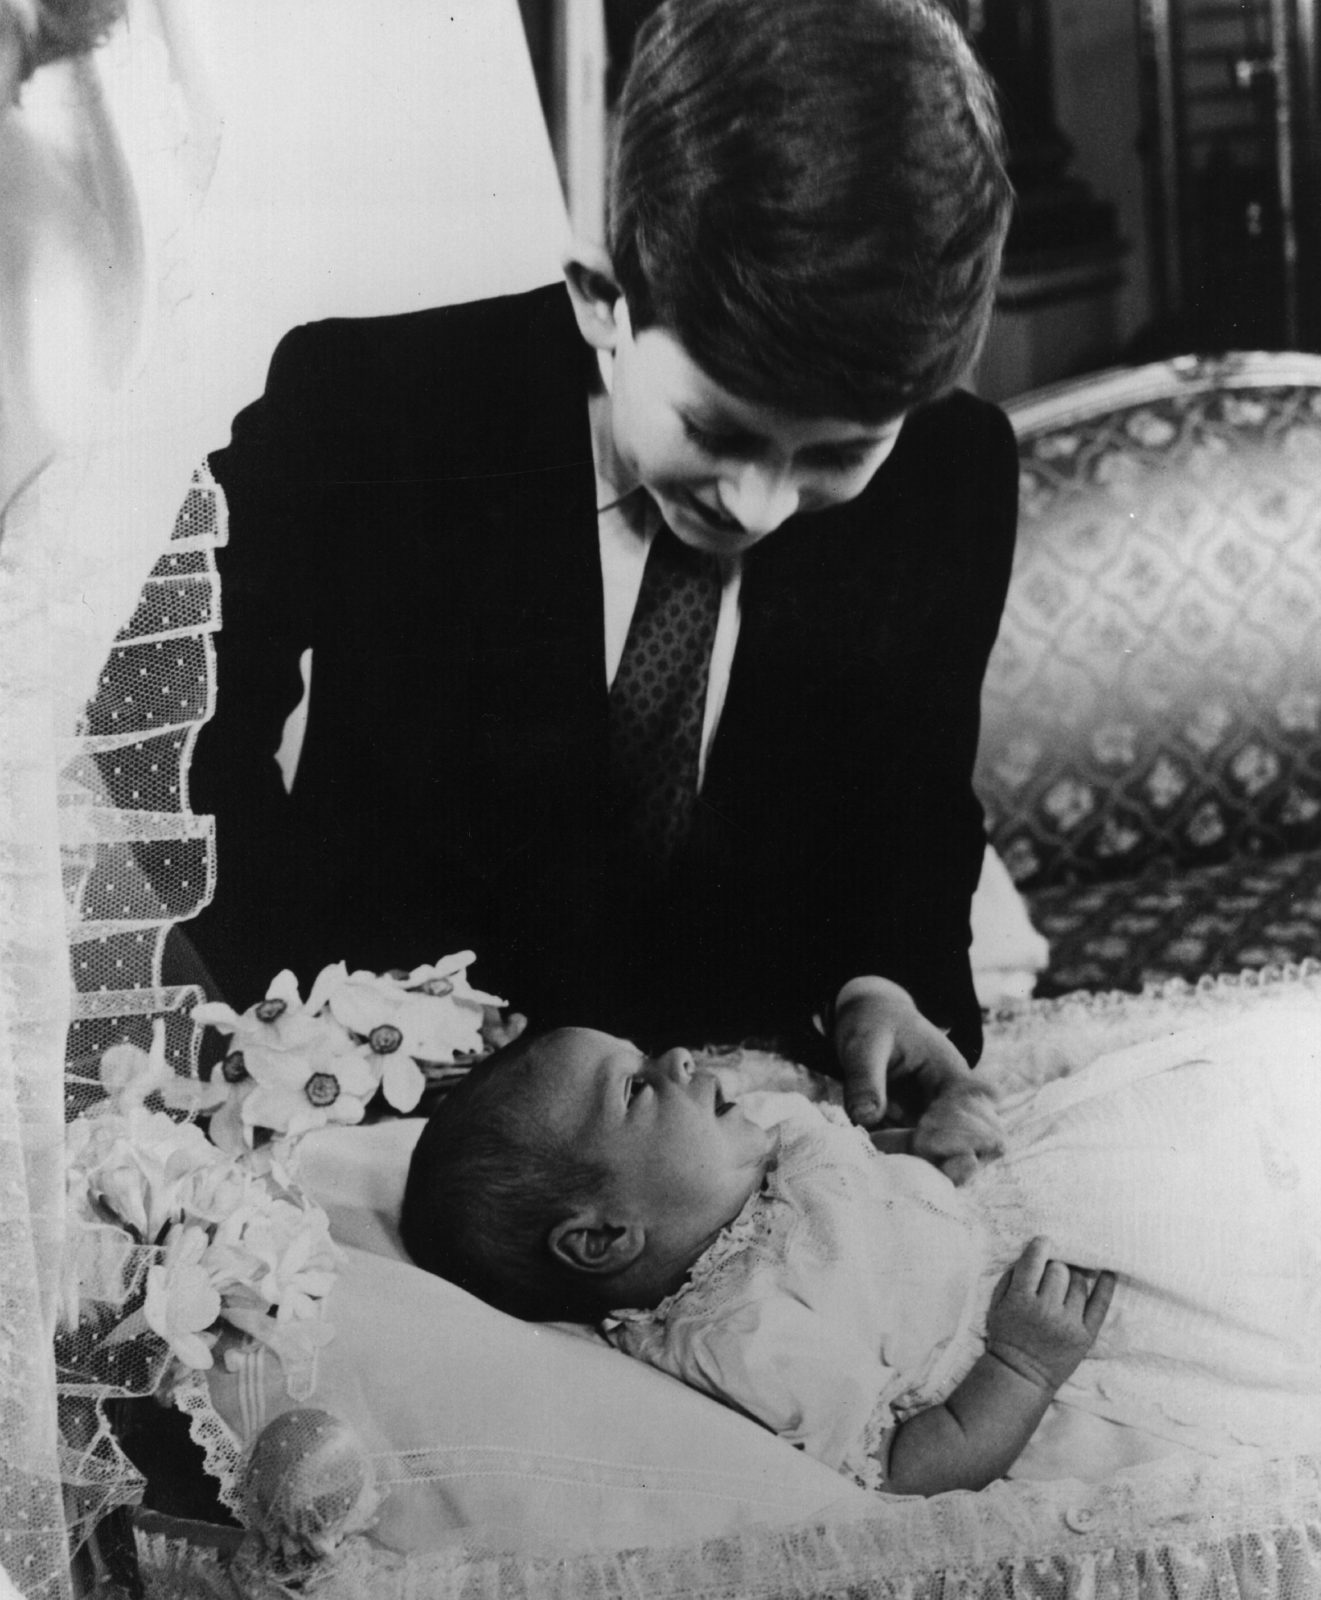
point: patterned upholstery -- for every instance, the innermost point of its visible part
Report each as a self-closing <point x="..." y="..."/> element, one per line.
<point x="1153" y="703"/>
<point x="1130" y="933"/>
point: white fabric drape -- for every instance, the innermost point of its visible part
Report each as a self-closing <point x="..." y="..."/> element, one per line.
<point x="108" y="157"/>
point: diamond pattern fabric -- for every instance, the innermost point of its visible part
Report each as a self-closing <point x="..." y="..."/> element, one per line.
<point x="1150" y="759"/>
<point x="1242" y="915"/>
<point x="658" y="701"/>
<point x="1155" y="692"/>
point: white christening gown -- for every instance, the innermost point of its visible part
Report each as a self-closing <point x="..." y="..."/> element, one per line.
<point x="852" y="1289"/>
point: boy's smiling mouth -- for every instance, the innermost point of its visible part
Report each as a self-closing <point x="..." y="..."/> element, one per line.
<point x="717" y="521"/>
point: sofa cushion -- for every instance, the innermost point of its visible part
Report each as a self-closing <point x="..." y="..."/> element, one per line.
<point x="1180" y="924"/>
<point x="1155" y="691"/>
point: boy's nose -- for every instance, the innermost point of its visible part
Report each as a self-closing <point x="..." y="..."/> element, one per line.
<point x="759" y="497"/>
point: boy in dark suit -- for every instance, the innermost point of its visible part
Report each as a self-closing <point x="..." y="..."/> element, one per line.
<point x="648" y="622"/>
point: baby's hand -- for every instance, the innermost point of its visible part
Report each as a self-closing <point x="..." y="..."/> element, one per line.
<point x="1044" y="1318"/>
<point x="960" y="1129"/>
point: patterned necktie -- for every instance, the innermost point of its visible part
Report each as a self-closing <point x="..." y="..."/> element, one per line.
<point x="658" y="701"/>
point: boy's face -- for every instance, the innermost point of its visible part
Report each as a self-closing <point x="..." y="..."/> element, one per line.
<point x="682" y="1161"/>
<point x="725" y="472"/>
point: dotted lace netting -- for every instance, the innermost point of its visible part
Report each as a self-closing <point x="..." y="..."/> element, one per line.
<point x="134" y="860"/>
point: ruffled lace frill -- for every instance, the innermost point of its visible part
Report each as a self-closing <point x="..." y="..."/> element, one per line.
<point x="749" y="1230"/>
<point x="1239" y="1529"/>
<point x="221" y="1450"/>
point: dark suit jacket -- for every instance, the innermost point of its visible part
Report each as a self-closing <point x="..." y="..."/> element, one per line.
<point x="413" y="497"/>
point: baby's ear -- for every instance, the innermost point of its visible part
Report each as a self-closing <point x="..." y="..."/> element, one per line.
<point x="585" y="1243"/>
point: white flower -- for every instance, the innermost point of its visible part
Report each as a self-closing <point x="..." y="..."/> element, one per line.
<point x="328" y="1079"/>
<point x="182" y="1302"/>
<point x="137" y="1167"/>
<point x="279" y="1022"/>
<point x="227" y="1129"/>
<point x="298" y="1258"/>
<point x="220" y="1191"/>
<point x="95" y="1267"/>
<point x="129" y="1073"/>
<point x="306" y="1069"/>
<point x="430" y="1014"/>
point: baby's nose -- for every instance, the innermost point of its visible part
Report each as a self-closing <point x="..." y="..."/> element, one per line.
<point x="677" y="1064"/>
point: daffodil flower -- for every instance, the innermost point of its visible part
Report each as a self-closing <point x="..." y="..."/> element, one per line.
<point x="430" y="1014"/>
<point x="137" y="1167"/>
<point x="324" y="1078"/>
<point x="279" y="1022"/>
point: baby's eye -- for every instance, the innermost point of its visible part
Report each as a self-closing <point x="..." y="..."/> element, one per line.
<point x="634" y="1088"/>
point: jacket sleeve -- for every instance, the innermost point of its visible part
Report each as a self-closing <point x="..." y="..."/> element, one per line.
<point x="275" y="496"/>
<point x="908" y="849"/>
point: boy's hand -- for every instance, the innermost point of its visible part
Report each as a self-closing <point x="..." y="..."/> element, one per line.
<point x="1045" y="1317"/>
<point x="960" y="1130"/>
<point x="898" y="1066"/>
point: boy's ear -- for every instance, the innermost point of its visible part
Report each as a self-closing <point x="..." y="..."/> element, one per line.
<point x="585" y="1243"/>
<point x="595" y="294"/>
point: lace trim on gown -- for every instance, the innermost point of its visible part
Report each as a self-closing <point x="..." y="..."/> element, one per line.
<point x="220" y="1448"/>
<point x="752" y="1226"/>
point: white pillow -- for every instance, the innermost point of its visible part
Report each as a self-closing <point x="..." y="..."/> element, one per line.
<point x="531" y="1436"/>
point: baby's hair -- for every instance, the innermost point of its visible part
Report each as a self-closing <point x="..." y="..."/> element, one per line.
<point x="811" y="197"/>
<point x="486" y="1185"/>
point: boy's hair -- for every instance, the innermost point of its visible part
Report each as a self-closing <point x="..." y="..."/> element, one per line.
<point x="810" y="195"/>
<point x="485" y="1187"/>
<point x="51" y="30"/>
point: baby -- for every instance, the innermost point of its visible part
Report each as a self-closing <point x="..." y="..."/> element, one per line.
<point x="913" y="1334"/>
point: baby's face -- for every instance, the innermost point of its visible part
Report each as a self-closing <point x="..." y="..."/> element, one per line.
<point x="682" y="1160"/>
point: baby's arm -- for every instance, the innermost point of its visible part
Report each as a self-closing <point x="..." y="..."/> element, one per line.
<point x="1042" y="1322"/>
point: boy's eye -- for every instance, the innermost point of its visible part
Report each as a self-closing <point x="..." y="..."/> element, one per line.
<point x="634" y="1088"/>
<point x="836" y="457"/>
<point x="838" y="460"/>
<point x="715" y="444"/>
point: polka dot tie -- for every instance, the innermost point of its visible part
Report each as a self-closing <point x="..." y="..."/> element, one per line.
<point x="658" y="701"/>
